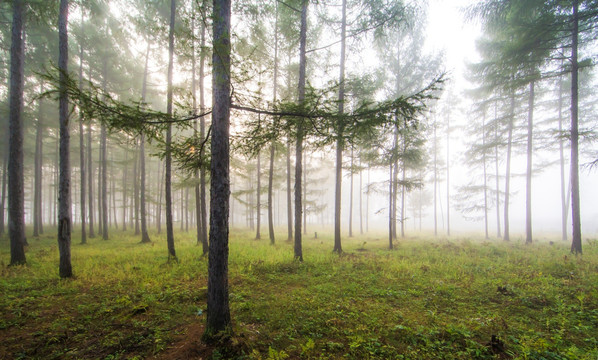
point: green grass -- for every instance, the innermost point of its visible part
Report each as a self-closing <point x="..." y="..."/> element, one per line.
<point x="427" y="299"/>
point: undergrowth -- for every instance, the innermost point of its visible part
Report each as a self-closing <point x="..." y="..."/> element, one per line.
<point x="427" y="299"/>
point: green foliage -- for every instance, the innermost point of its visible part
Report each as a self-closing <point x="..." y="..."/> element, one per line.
<point x="426" y="300"/>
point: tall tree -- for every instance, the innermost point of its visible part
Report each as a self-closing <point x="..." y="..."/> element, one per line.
<point x="64" y="196"/>
<point x="218" y="316"/>
<point x="82" y="152"/>
<point x="168" y="181"/>
<point x="16" y="194"/>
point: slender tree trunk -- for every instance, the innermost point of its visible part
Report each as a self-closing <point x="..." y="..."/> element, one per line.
<point x="144" y="235"/>
<point x="136" y="193"/>
<point x="168" y="181"/>
<point x="299" y="145"/>
<point x="395" y="182"/>
<point x="37" y="188"/>
<point x="435" y="181"/>
<point x="16" y="192"/>
<point x="113" y="191"/>
<point x="258" y="197"/>
<point x="3" y="199"/>
<point x="351" y="196"/>
<point x="202" y="135"/>
<point x="64" y="216"/>
<point x="528" y="175"/>
<point x="82" y="155"/>
<point x="159" y="215"/>
<point x="485" y="176"/>
<point x="403" y="177"/>
<point x="305" y="161"/>
<point x="90" y="171"/>
<point x="340" y="140"/>
<point x="497" y="179"/>
<point x="575" y="204"/>
<point x="195" y="132"/>
<point x="272" y="146"/>
<point x="218" y="316"/>
<point x="448" y="178"/>
<point x="564" y="206"/>
<point x="289" y="200"/>
<point x="104" y="165"/>
<point x="390" y="204"/>
<point x="367" y="204"/>
<point x="125" y="173"/>
<point x="508" y="169"/>
<point x="360" y="198"/>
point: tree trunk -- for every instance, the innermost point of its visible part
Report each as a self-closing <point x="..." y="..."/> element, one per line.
<point x="64" y="216"/>
<point x="136" y="194"/>
<point x="37" y="188"/>
<point x="485" y="176"/>
<point x="113" y="191"/>
<point x="258" y="196"/>
<point x="16" y="192"/>
<point x="528" y="175"/>
<point x="448" y="178"/>
<point x="3" y="199"/>
<point x="161" y="188"/>
<point x="497" y="180"/>
<point x="360" y="197"/>
<point x="218" y="316"/>
<point x="564" y="194"/>
<point x="168" y="180"/>
<point x="272" y="146"/>
<point x="351" y="197"/>
<point x="289" y="200"/>
<point x="82" y="155"/>
<point x="90" y="172"/>
<point x="104" y="165"/>
<point x="390" y="204"/>
<point x="435" y="180"/>
<point x="144" y="235"/>
<point x="202" y="135"/>
<point x="575" y="205"/>
<point x="508" y="168"/>
<point x="125" y="172"/>
<point x="339" y="140"/>
<point x="299" y="145"/>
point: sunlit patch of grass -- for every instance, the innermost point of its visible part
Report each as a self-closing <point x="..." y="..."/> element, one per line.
<point x="427" y="299"/>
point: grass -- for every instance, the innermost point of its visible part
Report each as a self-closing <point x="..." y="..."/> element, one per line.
<point x="427" y="299"/>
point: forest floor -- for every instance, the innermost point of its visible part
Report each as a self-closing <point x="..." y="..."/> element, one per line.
<point x="427" y="299"/>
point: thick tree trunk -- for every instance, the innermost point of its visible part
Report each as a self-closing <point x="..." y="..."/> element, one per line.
<point x="168" y="180"/>
<point x="528" y="175"/>
<point x="218" y="316"/>
<point x="299" y="145"/>
<point x="508" y="167"/>
<point x="64" y="216"/>
<point x="16" y="192"/>
<point x="575" y="204"/>
<point x="3" y="198"/>
<point x="339" y="140"/>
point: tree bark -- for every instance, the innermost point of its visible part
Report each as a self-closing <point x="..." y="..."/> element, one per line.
<point x="202" y="135"/>
<point x="125" y="172"/>
<point x="272" y="145"/>
<point x="485" y="176"/>
<point x="528" y="175"/>
<point x="82" y="155"/>
<point x="299" y="145"/>
<point x="340" y="140"/>
<point x="104" y="165"/>
<point x="564" y="194"/>
<point x="575" y="204"/>
<point x="218" y="316"/>
<point x="497" y="180"/>
<point x="168" y="180"/>
<point x="4" y="176"/>
<point x="90" y="172"/>
<point x="289" y="199"/>
<point x="351" y="196"/>
<point x="64" y="216"/>
<point x="136" y="193"/>
<point x="16" y="192"/>
<point x="448" y="177"/>
<point x="435" y="180"/>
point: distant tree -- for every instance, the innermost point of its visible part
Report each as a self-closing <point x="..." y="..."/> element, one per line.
<point x="168" y="160"/>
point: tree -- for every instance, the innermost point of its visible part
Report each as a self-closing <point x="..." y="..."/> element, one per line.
<point x="218" y="316"/>
<point x="16" y="210"/>
<point x="64" y="215"/>
<point x="168" y="161"/>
